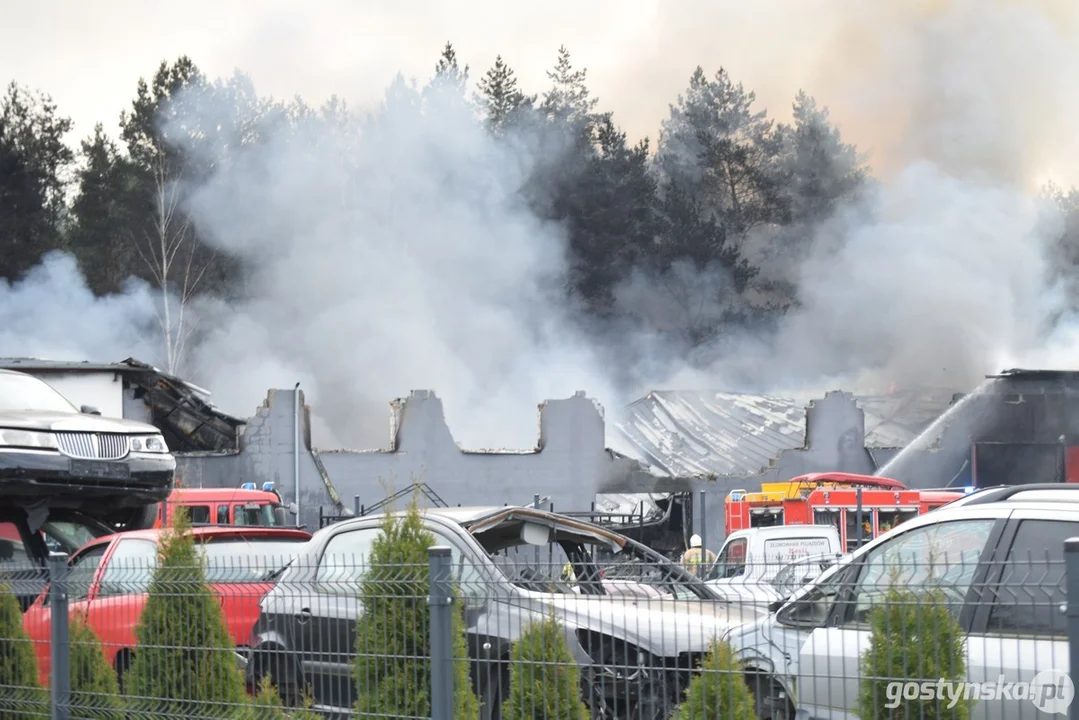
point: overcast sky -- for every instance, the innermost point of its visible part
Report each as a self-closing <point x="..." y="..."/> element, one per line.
<point x="877" y="65"/>
<point x="639" y="57"/>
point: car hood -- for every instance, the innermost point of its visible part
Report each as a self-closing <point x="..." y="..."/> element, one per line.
<point x="72" y="422"/>
<point x="665" y="628"/>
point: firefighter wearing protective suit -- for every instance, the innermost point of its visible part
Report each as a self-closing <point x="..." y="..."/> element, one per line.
<point x="691" y="558"/>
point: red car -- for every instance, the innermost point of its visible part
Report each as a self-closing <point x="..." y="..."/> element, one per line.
<point x="109" y="578"/>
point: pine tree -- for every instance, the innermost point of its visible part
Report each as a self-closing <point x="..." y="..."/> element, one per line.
<point x="447" y="68"/>
<point x="184" y="663"/>
<point x="913" y="637"/>
<point x="95" y="691"/>
<point x="719" y="690"/>
<point x="392" y="668"/>
<point x="544" y="679"/>
<point x="500" y="97"/>
<point x="101" y="215"/>
<point x="568" y="100"/>
<point x="21" y="696"/>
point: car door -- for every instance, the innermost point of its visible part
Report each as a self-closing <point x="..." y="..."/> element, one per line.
<point x="116" y="602"/>
<point x="944" y="556"/>
<point x="326" y="611"/>
<point x="1020" y="628"/>
<point x="326" y="623"/>
<point x="37" y="621"/>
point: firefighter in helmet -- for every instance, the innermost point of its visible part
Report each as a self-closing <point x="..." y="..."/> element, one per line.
<point x="692" y="557"/>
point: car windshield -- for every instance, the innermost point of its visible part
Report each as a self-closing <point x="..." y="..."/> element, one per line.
<point x="254" y="514"/>
<point x="24" y="392"/>
<point x="235" y="560"/>
<point x="800" y="573"/>
<point x="572" y="562"/>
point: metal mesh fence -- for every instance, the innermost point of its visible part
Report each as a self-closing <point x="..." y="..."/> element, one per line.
<point x="935" y="627"/>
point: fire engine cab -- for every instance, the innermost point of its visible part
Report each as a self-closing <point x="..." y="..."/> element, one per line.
<point x="833" y="499"/>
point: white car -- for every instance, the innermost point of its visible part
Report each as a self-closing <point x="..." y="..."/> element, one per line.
<point x="999" y="556"/>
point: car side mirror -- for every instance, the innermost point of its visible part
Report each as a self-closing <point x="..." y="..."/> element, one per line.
<point x="294" y="508"/>
<point x="473" y="607"/>
<point x="89" y="410"/>
<point x="279" y="516"/>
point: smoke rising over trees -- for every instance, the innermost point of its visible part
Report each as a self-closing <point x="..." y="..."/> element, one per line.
<point x="500" y="244"/>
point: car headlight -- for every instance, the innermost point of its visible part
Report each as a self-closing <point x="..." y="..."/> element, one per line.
<point x="149" y="444"/>
<point x="27" y="439"/>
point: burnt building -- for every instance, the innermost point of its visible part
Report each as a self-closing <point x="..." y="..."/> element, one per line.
<point x="1018" y="427"/>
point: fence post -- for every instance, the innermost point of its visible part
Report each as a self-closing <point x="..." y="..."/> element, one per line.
<point x="1071" y="571"/>
<point x="701" y="572"/>
<point x="441" y="602"/>
<point x="59" y="647"/>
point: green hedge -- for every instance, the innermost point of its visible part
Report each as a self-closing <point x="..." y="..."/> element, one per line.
<point x="21" y="695"/>
<point x="184" y="662"/>
<point x="719" y="690"/>
<point x="913" y="637"/>
<point x="393" y="668"/>
<point x="544" y="679"/>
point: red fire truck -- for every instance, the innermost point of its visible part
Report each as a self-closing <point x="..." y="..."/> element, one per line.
<point x="833" y="499"/>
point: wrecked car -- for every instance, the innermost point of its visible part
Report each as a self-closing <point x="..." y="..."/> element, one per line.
<point x="56" y="455"/>
<point x="636" y="654"/>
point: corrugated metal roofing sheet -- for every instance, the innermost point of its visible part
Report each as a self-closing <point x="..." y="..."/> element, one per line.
<point x="686" y="433"/>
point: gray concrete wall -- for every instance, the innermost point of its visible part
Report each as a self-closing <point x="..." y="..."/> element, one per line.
<point x="571" y="463"/>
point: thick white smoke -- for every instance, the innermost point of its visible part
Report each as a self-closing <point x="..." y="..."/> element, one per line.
<point x="399" y="254"/>
<point x="392" y="252"/>
<point x="52" y="314"/>
<point x="945" y="271"/>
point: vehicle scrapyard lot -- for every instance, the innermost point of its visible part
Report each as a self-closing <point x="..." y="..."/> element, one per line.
<point x="521" y="613"/>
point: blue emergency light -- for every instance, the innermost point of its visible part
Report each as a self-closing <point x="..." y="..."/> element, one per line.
<point x="969" y="489"/>
<point x="248" y="486"/>
<point x="267" y="486"/>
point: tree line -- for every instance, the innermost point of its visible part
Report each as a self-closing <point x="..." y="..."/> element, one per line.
<point x="716" y="214"/>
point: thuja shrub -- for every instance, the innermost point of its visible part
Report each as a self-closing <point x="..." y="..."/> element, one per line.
<point x="393" y="667"/>
<point x="95" y="691"/>
<point x="914" y="637"/>
<point x="21" y="695"/>
<point x="267" y="705"/>
<point x="544" y="679"/>
<point x="719" y="690"/>
<point x="184" y="664"/>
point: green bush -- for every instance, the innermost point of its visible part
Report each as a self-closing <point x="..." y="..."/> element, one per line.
<point x="267" y="705"/>
<point x="184" y="664"/>
<point x="95" y="691"/>
<point x="393" y="668"/>
<point x="21" y="695"/>
<point x="719" y="690"/>
<point x="913" y="638"/>
<point x="544" y="679"/>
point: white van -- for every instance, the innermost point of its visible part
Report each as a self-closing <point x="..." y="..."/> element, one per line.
<point x="749" y="562"/>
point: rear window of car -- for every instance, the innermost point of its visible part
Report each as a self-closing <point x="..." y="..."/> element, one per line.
<point x="241" y="560"/>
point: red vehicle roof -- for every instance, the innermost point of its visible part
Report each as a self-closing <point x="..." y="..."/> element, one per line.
<point x="220" y="495"/>
<point x="880" y="482"/>
<point x="208" y="531"/>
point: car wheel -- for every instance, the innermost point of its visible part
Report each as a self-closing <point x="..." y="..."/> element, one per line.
<point x="769" y="699"/>
<point x="653" y="704"/>
<point x="123" y="665"/>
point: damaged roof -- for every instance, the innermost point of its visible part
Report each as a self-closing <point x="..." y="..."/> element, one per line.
<point x="687" y="433"/>
<point x="181" y="410"/>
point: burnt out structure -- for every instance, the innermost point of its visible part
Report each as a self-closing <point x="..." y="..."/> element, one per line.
<point x="1018" y="427"/>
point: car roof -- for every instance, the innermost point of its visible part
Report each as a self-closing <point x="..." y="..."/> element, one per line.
<point x="481" y="517"/>
<point x="219" y="493"/>
<point x="253" y="532"/>
<point x="1037" y="493"/>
